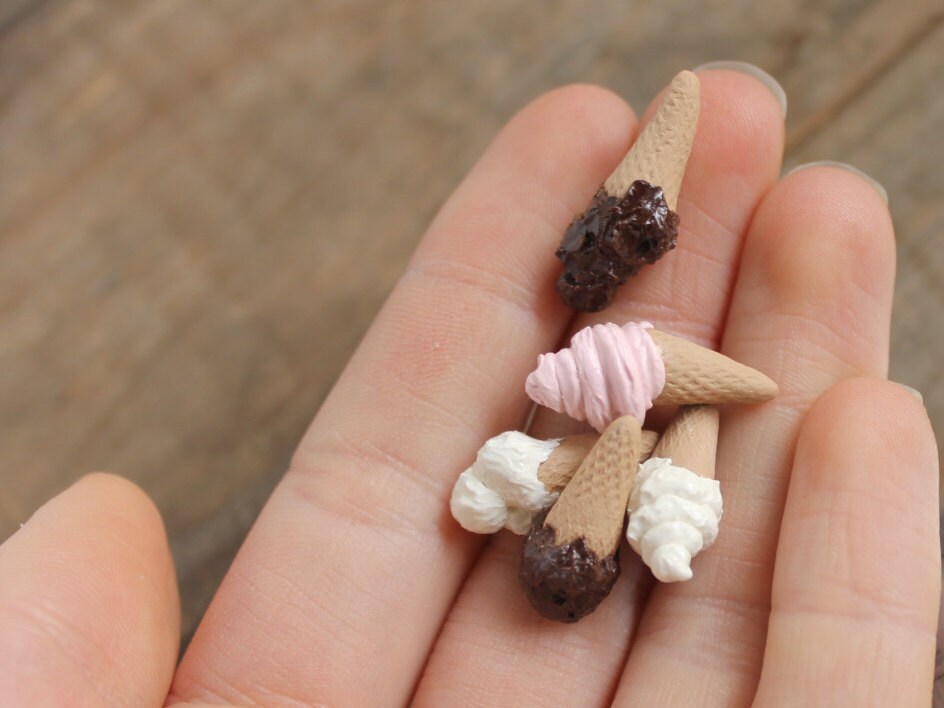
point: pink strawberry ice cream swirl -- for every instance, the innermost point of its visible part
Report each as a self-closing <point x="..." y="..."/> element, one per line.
<point x="608" y="371"/>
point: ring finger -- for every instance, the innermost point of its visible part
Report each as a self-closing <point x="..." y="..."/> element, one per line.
<point x="811" y="306"/>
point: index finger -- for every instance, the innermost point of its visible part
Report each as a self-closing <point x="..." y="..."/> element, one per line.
<point x="354" y="561"/>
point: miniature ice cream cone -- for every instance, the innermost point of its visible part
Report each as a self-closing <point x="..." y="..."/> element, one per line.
<point x="609" y="371"/>
<point x="515" y="477"/>
<point x="631" y="220"/>
<point x="675" y="505"/>
<point x="569" y="561"/>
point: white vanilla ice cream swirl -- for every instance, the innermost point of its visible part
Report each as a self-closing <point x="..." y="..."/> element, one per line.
<point x="673" y="514"/>
<point x="502" y="489"/>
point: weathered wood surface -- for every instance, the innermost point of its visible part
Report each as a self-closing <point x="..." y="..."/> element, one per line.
<point x="202" y="204"/>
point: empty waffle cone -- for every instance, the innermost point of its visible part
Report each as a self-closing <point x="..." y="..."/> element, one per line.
<point x="569" y="562"/>
<point x="691" y="440"/>
<point x="695" y="374"/>
<point x="557" y="471"/>
<point x="660" y="154"/>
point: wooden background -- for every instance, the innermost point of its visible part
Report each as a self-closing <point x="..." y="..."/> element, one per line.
<point x="202" y="204"/>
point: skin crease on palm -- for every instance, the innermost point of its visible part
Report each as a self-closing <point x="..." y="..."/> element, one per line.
<point x="355" y="587"/>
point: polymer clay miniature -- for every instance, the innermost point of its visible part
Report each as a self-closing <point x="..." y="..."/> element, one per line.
<point x="574" y="494"/>
<point x="609" y="371"/>
<point x="631" y="220"/>
<point x="570" y="561"/>
<point x="571" y="496"/>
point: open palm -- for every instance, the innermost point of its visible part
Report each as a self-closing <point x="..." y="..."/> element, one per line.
<point x="356" y="587"/>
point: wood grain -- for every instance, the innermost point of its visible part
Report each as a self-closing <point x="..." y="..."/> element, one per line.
<point x="202" y="204"/>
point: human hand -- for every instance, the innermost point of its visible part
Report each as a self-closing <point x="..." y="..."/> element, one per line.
<point x="355" y="587"/>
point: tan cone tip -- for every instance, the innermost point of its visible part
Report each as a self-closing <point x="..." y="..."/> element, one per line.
<point x="660" y="154"/>
<point x="696" y="374"/>
<point x="559" y="468"/>
<point x="691" y="440"/>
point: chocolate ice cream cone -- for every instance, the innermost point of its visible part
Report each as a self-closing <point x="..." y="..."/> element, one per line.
<point x="631" y="220"/>
<point x="569" y="563"/>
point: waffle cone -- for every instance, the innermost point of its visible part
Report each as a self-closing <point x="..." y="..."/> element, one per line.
<point x="558" y="469"/>
<point x="691" y="440"/>
<point x="661" y="152"/>
<point x="592" y="506"/>
<point x="695" y="374"/>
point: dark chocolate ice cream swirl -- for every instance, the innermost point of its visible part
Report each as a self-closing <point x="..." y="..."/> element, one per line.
<point x="564" y="582"/>
<point x="611" y="241"/>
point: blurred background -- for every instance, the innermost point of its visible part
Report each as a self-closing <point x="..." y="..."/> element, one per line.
<point x="203" y="204"/>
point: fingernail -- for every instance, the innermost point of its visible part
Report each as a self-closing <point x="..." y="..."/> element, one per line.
<point x="848" y="168"/>
<point x="913" y="391"/>
<point x="756" y="72"/>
